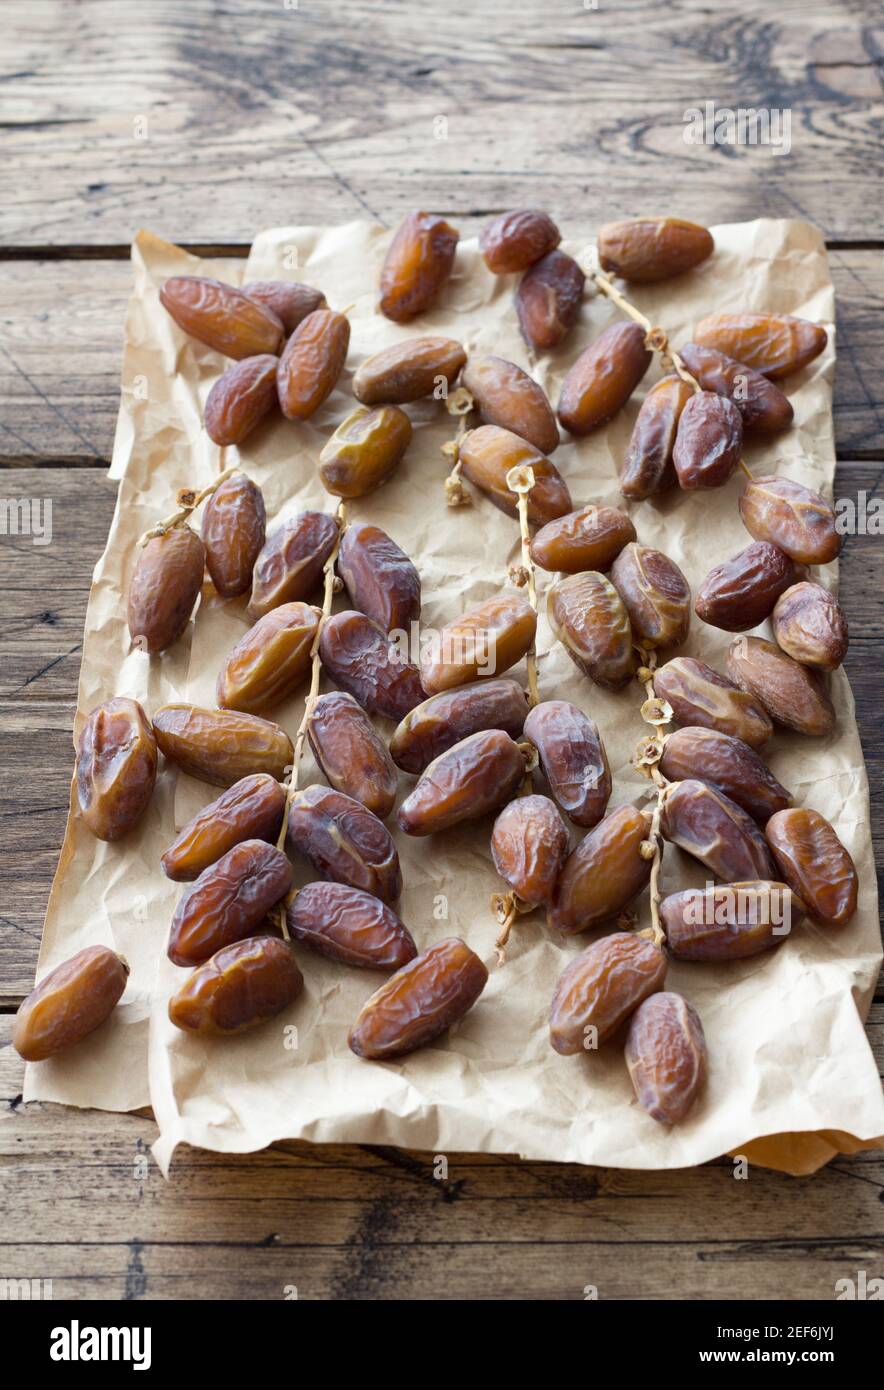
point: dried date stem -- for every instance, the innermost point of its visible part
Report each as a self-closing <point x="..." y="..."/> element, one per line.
<point x="458" y="402"/>
<point x="656" y="339"/>
<point x="506" y="908"/>
<point x="657" y="713"/>
<point x="188" y="500"/>
<point x="520" y="480"/>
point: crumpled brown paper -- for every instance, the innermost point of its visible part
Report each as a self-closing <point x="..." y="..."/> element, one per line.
<point x="792" y="1078"/>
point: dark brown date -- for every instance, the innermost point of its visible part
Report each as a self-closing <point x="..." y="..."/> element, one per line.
<point x="709" y="441"/>
<point x="655" y="593"/>
<point x="228" y="901"/>
<point x="792" y="694"/>
<point x="417" y="265"/>
<point x="764" y="408"/>
<point x="443" y="720"/>
<point x="240" y="399"/>
<point x="603" y="378"/>
<point x="233" y="534"/>
<point x="166" y="584"/>
<point x="221" y="746"/>
<point x="775" y="344"/>
<point x="359" y="656"/>
<point x="727" y="764"/>
<point x="364" y="451"/>
<point x="515" y="240"/>
<point x="409" y="371"/>
<point x="589" y="539"/>
<point x="289" y="301"/>
<point x="699" y="695"/>
<point x="603" y="874"/>
<point x="666" y="1057"/>
<point x="269" y="663"/>
<point x="344" y="842"/>
<point x="647" y="249"/>
<point x="742" y="591"/>
<point x="485" y="641"/>
<point x="351" y="754"/>
<point x="289" y="567"/>
<point x="473" y="778"/>
<point x="601" y="988"/>
<point x="529" y="845"/>
<point x="221" y="317"/>
<point x="311" y="363"/>
<point x="506" y="396"/>
<point x="815" y="864"/>
<point x="589" y="618"/>
<point x="252" y="809"/>
<point x="350" y="926"/>
<point x="69" y="1003"/>
<point x="809" y="624"/>
<point x="242" y="986"/>
<point x="792" y="516"/>
<point x="705" y="823"/>
<point x="116" y="768"/>
<point x="486" y="456"/>
<point x="573" y="759"/>
<point x="729" y="921"/>
<point x="419" y="1002"/>
<point x="379" y="577"/>
<point x="548" y="300"/>
<point x="648" y="467"/>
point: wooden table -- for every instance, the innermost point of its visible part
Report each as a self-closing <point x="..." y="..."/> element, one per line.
<point x="207" y="122"/>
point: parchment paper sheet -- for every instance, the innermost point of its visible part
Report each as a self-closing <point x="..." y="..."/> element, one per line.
<point x="792" y="1076"/>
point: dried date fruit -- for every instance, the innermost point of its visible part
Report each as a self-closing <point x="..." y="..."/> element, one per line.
<point x="548" y="300"/>
<point x="165" y="586"/>
<point x="228" y="901"/>
<point x="709" y="441"/>
<point x="240" y="987"/>
<point x="233" y="534"/>
<point x="791" y="516"/>
<point x="289" y="301"/>
<point x="364" y="451"/>
<point x="603" y="874"/>
<point x="742" y="592"/>
<point x="699" y="695"/>
<point x="221" y="746"/>
<point x="418" y="263"/>
<point x="344" y="842"/>
<point x="648" y="467"/>
<point x="419" y="1002"/>
<point x="655" y="593"/>
<point x="774" y="344"/>
<point x="792" y="695"/>
<point x="485" y="641"/>
<point x="589" y="539"/>
<point x="350" y="926"/>
<point x="69" y="1003"/>
<point x="573" y="759"/>
<point x="240" y="399"/>
<point x="764" y="408"/>
<point x="809" y="624"/>
<point x="506" y="396"/>
<point x="666" y="1057"/>
<point x="486" y="456"/>
<point x="647" y="249"/>
<point x="438" y="723"/>
<point x="715" y="830"/>
<point x="289" y="567"/>
<point x="726" y="763"/>
<point x="359" y="656"/>
<point x="221" y="317"/>
<point x="116" y="768"/>
<point x="312" y="361"/>
<point x="408" y="371"/>
<point x="350" y="753"/>
<point x="252" y="809"/>
<point x="529" y="846"/>
<point x="599" y="990"/>
<point x="473" y="778"/>
<point x="815" y="864"/>
<point x="269" y="663"/>
<point x="729" y="921"/>
<point x="588" y="616"/>
<point x="603" y="378"/>
<point x="379" y="577"/>
<point x="515" y="240"/>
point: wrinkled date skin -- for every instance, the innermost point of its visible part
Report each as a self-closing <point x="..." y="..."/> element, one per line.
<point x="809" y="625"/>
<point x="589" y="539"/>
<point x="166" y="584"/>
<point x="666" y="1057"/>
<point x="603" y="378"/>
<point x="269" y="663"/>
<point x="473" y="778"/>
<point x="774" y="344"/>
<point x="548" y="300"/>
<point x="573" y="759"/>
<point x="289" y="567"/>
<point x="116" y="768"/>
<point x="729" y="921"/>
<point x="709" y="442"/>
<point x="599" y="990"/>
<point x="515" y="240"/>
<point x="221" y="746"/>
<point x="792" y="694"/>
<point x="792" y="516"/>
<point x="240" y="399"/>
<point x="486" y="456"/>
<point x="344" y="842"/>
<point x="529" y="846"/>
<point x="364" y="451"/>
<point x="233" y="534"/>
<point x="418" y="264"/>
<point x="648" y="467"/>
<point x="647" y="249"/>
<point x="379" y="577"/>
<point x="715" y="830"/>
<point x="419" y="1002"/>
<point x="408" y="371"/>
<point x="699" y="695"/>
<point x="763" y="407"/>
<point x="589" y="618"/>
<point x="729" y="765"/>
<point x="485" y="641"/>
<point x="506" y="396"/>
<point x="221" y="317"/>
<point x="69" y="1003"/>
<point x="311" y="363"/>
<point x="252" y="809"/>
<point x="350" y="753"/>
<point x="815" y="864"/>
<point x="443" y="720"/>
<point x="289" y="301"/>
<point x="359" y="656"/>
<point x="229" y="900"/>
<point x="350" y="926"/>
<point x="242" y="986"/>
<point x="603" y="874"/>
<point x="655" y="593"/>
<point x="742" y="591"/>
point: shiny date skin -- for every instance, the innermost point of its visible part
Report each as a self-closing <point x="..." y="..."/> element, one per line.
<point x="165" y="586"/>
<point x="763" y="407"/>
<point x="590" y="620"/>
<point x="69" y="1003"/>
<point x="603" y="378"/>
<point x="793" y="695"/>
<point x="289" y="566"/>
<point x="234" y="531"/>
<point x="529" y="846"/>
<point x="228" y="901"/>
<point x="408" y="371"/>
<point x="344" y="842"/>
<point x="221" y="746"/>
<point x="486" y="456"/>
<point x="599" y="990"/>
<point x="364" y="451"/>
<point x="742" y="591"/>
<point x="116" y="768"/>
<point x="270" y="662"/>
<point x="648" y="467"/>
<point x="222" y="317"/>
<point x="809" y="624"/>
<point x="708" y="443"/>
<point x="240" y="987"/>
<point x="350" y="753"/>
<point x="588" y="539"/>
<point x="421" y="1001"/>
<point x="508" y="397"/>
<point x="443" y="720"/>
<point x="666" y="1057"/>
<point x="815" y="864"/>
<point x="603" y="874"/>
<point x="548" y="300"/>
<point x="645" y="250"/>
<point x="417" y="265"/>
<point x="240" y="399"/>
<point x="379" y="577"/>
<point x="699" y="695"/>
<point x="311" y="363"/>
<point x="473" y="778"/>
<point x="791" y="516"/>
<point x="513" y="241"/>
<point x="485" y="641"/>
<point x="729" y="765"/>
<point x="774" y="344"/>
<point x="290" y="302"/>
<point x="715" y="830"/>
<point x="656" y="595"/>
<point x="350" y="926"/>
<point x="252" y="809"/>
<point x="360" y="658"/>
<point x="573" y="759"/>
<point x="729" y="921"/>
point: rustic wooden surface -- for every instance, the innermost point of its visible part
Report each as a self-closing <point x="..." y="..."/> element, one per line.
<point x="206" y="122"/>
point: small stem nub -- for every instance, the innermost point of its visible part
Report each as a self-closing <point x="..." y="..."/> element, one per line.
<point x="188" y="500"/>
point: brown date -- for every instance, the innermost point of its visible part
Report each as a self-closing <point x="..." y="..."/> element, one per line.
<point x="573" y="759"/>
<point x="603" y="874"/>
<point x="792" y="694"/>
<point x="473" y="778"/>
<point x="240" y="398"/>
<point x="485" y="641"/>
<point x="600" y="988"/>
<point x="228" y="901"/>
<point x="589" y="539"/>
<point x="438" y="723"/>
<point x="655" y="593"/>
<point x="408" y="371"/>
<point x="418" y="263"/>
<point x="360" y="658"/>
<point x="241" y="986"/>
<point x="289" y="301"/>
<point x="289" y="567"/>
<point x="729" y="921"/>
<point x="351" y="754"/>
<point x="603" y="378"/>
<point x="646" y="249"/>
<point x="666" y="1057"/>
<point x="419" y="1002"/>
<point x="774" y="344"/>
<point x="350" y="926"/>
<point x="815" y="864"/>
<point x="344" y="842"/>
<point x="312" y="361"/>
<point x="506" y="396"/>
<point x="648" y="467"/>
<point x="705" y="823"/>
<point x="166" y="584"/>
<point x="364" y="451"/>
<point x="764" y="408"/>
<point x="269" y="663"/>
<point x="529" y="845"/>
<point x="379" y="577"/>
<point x="221" y="317"/>
<point x="116" y="767"/>
<point x="515" y="240"/>
<point x="589" y="618"/>
<point x="709" y="441"/>
<point x="69" y="1003"/>
<point x="252" y="809"/>
<point x="233" y="534"/>
<point x="729" y="765"/>
<point x="221" y="746"/>
<point x="486" y="456"/>
<point x="809" y="624"/>
<point x="699" y="695"/>
<point x="548" y="300"/>
<point x="742" y="591"/>
<point x="792" y="516"/>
